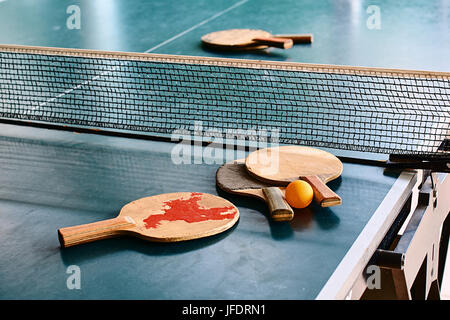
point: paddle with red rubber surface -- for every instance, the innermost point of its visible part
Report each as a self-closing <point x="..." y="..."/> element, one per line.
<point x="166" y="217"/>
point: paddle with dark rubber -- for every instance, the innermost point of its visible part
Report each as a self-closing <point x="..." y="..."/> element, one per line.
<point x="233" y="178"/>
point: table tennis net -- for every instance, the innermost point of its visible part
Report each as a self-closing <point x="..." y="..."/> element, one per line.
<point x="349" y="108"/>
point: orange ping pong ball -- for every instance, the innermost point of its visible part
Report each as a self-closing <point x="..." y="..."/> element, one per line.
<point x="299" y="194"/>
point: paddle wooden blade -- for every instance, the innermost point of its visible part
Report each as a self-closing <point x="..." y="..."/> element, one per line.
<point x="284" y="164"/>
<point x="279" y="209"/>
<point x="168" y="217"/>
<point x="297" y="38"/>
<point x="250" y="39"/>
<point x="323" y="195"/>
<point x="233" y="178"/>
<point x="281" y="43"/>
<point x="105" y="229"/>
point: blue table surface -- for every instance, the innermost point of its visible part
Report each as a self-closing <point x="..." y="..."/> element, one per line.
<point x="52" y="179"/>
<point x="411" y="34"/>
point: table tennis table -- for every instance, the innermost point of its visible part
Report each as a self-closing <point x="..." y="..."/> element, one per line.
<point x="55" y="177"/>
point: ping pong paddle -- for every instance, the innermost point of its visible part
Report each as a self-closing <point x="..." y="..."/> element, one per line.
<point x="282" y="165"/>
<point x="250" y="39"/>
<point x="166" y="217"/>
<point x="232" y="177"/>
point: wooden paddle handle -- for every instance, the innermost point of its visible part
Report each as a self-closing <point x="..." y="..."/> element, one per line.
<point x="105" y="229"/>
<point x="279" y="209"/>
<point x="297" y="38"/>
<point x="323" y="195"/>
<point x="275" y="42"/>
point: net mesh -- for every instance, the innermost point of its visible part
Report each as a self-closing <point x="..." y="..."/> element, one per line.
<point x="359" y="109"/>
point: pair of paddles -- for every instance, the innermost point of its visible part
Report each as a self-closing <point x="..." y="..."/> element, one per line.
<point x="183" y="216"/>
<point x="265" y="173"/>
<point x="249" y="39"/>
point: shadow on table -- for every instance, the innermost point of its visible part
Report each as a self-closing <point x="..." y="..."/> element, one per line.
<point x="273" y="54"/>
<point x="78" y="254"/>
